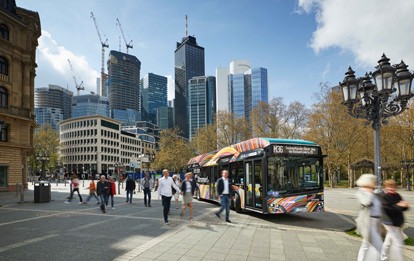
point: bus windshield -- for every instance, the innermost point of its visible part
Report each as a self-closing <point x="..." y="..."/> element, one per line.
<point x="293" y="174"/>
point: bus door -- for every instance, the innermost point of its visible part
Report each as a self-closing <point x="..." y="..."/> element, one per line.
<point x="254" y="184"/>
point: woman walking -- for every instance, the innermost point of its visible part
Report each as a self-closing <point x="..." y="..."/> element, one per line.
<point x="75" y="187"/>
<point x="188" y="188"/>
<point x="393" y="220"/>
<point x="111" y="192"/>
<point x="177" y="182"/>
<point x="368" y="220"/>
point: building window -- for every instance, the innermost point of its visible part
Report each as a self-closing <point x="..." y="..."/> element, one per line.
<point x="4" y="66"/>
<point x="4" y="97"/>
<point x="3" y="131"/>
<point x="4" y="31"/>
<point x="3" y="176"/>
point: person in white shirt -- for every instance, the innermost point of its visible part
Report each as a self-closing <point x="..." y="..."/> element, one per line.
<point x="165" y="185"/>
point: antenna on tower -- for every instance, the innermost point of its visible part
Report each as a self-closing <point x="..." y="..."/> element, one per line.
<point x="186" y="26"/>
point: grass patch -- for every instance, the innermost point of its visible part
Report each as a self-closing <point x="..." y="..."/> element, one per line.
<point x="409" y="241"/>
<point x="352" y="232"/>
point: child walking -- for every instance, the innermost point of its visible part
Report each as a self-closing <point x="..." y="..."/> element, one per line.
<point x="92" y="191"/>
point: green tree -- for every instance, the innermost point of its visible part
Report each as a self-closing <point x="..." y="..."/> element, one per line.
<point x="45" y="143"/>
<point x="205" y="139"/>
<point x="174" y="152"/>
<point x="231" y="129"/>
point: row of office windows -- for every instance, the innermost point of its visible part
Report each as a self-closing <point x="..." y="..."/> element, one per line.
<point x="79" y="124"/>
<point x="85" y="158"/>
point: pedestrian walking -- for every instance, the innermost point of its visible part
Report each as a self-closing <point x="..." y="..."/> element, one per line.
<point x="393" y="219"/>
<point x="102" y="190"/>
<point x="111" y="192"/>
<point x="176" y="195"/>
<point x="92" y="191"/>
<point x="224" y="191"/>
<point x="188" y="187"/>
<point x="130" y="188"/>
<point x="368" y="220"/>
<point x="165" y="185"/>
<point x="75" y="187"/>
<point x="146" y="185"/>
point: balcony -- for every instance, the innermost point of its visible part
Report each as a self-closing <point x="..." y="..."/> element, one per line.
<point x="4" y="78"/>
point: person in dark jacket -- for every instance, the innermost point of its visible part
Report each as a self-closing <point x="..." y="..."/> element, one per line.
<point x="393" y="220"/>
<point x="224" y="191"/>
<point x="188" y="187"/>
<point x="130" y="187"/>
<point x="102" y="189"/>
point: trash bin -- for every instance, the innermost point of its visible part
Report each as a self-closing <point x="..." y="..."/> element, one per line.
<point x="42" y="192"/>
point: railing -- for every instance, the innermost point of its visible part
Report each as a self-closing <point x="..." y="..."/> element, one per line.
<point x="4" y="77"/>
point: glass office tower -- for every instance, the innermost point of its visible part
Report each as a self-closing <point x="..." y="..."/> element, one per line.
<point x="50" y="102"/>
<point x="201" y="103"/>
<point x="189" y="63"/>
<point x="154" y="95"/>
<point x="89" y="105"/>
<point x="123" y="85"/>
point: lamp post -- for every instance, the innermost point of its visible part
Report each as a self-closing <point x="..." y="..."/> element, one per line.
<point x="43" y="158"/>
<point x="376" y="102"/>
<point x="116" y="165"/>
<point x="151" y="158"/>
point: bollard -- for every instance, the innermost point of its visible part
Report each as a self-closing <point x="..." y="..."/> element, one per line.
<point x="17" y="189"/>
<point x="119" y="188"/>
<point x="22" y="194"/>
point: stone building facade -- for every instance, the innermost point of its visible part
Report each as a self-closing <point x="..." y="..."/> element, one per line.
<point x="19" y="33"/>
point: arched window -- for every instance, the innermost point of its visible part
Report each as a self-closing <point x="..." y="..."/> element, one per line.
<point x="4" y="31"/>
<point x="4" y="66"/>
<point x="4" y="129"/>
<point x="3" y="97"/>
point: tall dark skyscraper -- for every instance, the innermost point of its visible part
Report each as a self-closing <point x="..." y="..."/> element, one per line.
<point x="123" y="86"/>
<point x="154" y="95"/>
<point x="189" y="63"/>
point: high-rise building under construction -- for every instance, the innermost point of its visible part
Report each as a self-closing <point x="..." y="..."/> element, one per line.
<point x="123" y="87"/>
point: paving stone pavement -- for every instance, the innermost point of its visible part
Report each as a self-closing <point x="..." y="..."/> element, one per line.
<point x="315" y="236"/>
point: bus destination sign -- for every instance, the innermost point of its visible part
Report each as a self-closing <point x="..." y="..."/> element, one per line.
<point x="295" y="150"/>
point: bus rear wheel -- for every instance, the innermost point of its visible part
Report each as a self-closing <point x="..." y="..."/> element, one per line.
<point x="236" y="203"/>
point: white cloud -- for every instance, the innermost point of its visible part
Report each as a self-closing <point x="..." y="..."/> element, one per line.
<point x="56" y="57"/>
<point x="365" y="28"/>
<point x="326" y="70"/>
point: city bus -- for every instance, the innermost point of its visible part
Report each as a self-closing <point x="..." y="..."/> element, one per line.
<point x="270" y="176"/>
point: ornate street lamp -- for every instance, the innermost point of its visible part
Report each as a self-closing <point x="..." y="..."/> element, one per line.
<point x="376" y="102"/>
<point x="43" y="158"/>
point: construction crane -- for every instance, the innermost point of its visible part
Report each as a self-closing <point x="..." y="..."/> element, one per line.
<point x="80" y="86"/>
<point x="104" y="45"/>
<point x="128" y="45"/>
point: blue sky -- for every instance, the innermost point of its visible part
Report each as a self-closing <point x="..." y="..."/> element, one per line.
<point x="301" y="42"/>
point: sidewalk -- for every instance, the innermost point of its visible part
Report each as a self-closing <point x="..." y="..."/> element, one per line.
<point x="296" y="237"/>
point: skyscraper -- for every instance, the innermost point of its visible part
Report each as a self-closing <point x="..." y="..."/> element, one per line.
<point x="90" y="105"/>
<point x="123" y="83"/>
<point x="189" y="62"/>
<point x="222" y="89"/>
<point x="246" y="90"/>
<point x="201" y="103"/>
<point x="154" y="95"/>
<point x="165" y="117"/>
<point x="50" y="101"/>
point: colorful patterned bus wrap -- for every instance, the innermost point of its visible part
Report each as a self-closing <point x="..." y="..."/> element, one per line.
<point x="302" y="203"/>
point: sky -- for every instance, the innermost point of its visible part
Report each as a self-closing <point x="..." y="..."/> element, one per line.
<point x="302" y="43"/>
